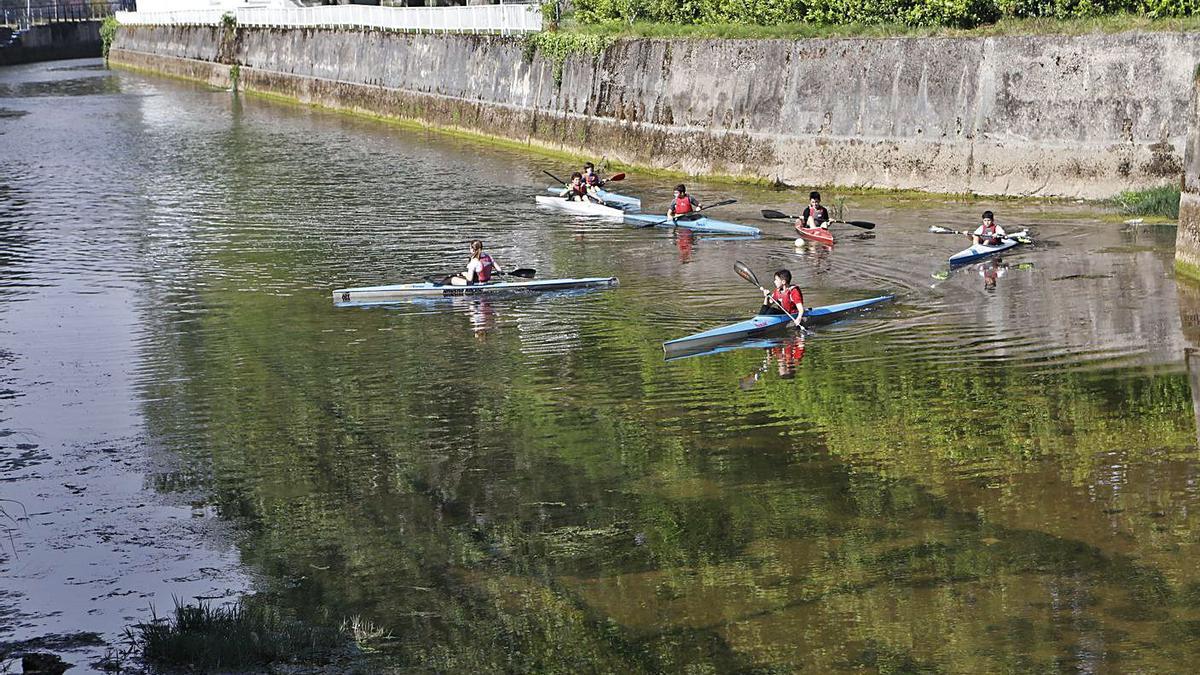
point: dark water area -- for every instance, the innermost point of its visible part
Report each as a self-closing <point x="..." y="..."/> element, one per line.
<point x="997" y="472"/>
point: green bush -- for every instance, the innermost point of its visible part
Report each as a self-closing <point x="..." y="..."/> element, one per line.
<point x="917" y="13"/>
<point x="1161" y="9"/>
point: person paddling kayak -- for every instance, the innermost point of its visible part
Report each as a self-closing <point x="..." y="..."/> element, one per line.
<point x="480" y="267"/>
<point x="989" y="233"/>
<point x="814" y="214"/>
<point x="785" y="299"/>
<point x="683" y="203"/>
<point x="577" y="190"/>
<point x="591" y="179"/>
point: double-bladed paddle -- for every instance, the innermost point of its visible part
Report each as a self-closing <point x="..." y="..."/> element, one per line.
<point x="1015" y="236"/>
<point x="772" y="214"/>
<point x="689" y="215"/>
<point x="614" y="177"/>
<point x="748" y="274"/>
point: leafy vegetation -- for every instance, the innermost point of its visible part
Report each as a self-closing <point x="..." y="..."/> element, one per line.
<point x="1160" y="201"/>
<point x="817" y="16"/>
<point x="245" y="636"/>
<point x="558" y="46"/>
<point x="108" y="33"/>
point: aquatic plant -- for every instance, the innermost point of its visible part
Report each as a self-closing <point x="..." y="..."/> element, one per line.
<point x="1162" y="201"/>
<point x="246" y="635"/>
<point x="108" y="33"/>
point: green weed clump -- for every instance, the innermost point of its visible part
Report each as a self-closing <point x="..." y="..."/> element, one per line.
<point x="108" y="33"/>
<point x="244" y="636"/>
<point x="1159" y="201"/>
<point x="557" y="46"/>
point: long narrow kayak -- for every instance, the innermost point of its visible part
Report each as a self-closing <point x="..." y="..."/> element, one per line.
<point x="399" y="292"/>
<point x="764" y="323"/>
<point x="618" y="200"/>
<point x="817" y="234"/>
<point x="582" y="208"/>
<point x="696" y="223"/>
<point x="980" y="251"/>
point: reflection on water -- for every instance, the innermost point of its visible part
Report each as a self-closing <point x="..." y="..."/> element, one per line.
<point x="995" y="474"/>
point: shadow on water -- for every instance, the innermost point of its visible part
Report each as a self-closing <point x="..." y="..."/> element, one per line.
<point x="995" y="474"/>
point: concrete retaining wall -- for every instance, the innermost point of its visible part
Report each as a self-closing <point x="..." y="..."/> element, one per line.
<point x="68" y="40"/>
<point x="1083" y="116"/>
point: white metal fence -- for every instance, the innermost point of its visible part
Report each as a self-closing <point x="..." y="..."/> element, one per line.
<point x="504" y="19"/>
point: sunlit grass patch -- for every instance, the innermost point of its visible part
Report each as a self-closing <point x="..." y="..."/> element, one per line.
<point x="1159" y="201"/>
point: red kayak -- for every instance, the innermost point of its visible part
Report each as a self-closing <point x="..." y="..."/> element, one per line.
<point x="817" y="234"/>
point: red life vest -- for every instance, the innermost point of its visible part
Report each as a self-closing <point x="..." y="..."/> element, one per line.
<point x="790" y="298"/>
<point x="578" y="190"/>
<point x="485" y="268"/>
<point x="592" y="180"/>
<point x="683" y="204"/>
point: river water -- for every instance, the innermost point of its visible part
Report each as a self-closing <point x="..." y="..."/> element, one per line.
<point x="996" y="472"/>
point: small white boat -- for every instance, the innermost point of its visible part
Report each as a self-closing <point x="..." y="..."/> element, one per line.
<point x="584" y="208"/>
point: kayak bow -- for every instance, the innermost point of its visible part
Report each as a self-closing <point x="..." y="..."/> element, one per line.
<point x="980" y="251"/>
<point x="817" y="234"/>
<point x="585" y="208"/>
<point x="400" y="292"/>
<point x="763" y="323"/>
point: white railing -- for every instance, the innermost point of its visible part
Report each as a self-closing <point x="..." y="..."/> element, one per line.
<point x="502" y="19"/>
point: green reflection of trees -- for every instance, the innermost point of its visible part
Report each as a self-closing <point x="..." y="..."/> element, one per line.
<point x="502" y="510"/>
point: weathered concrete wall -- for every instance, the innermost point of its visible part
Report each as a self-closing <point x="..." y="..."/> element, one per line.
<point x="68" y="40"/>
<point x="1187" y="238"/>
<point x="1080" y="116"/>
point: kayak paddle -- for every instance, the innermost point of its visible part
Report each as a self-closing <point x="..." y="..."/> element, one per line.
<point x="615" y="177"/>
<point x="1015" y="236"/>
<point x="727" y="202"/>
<point x="556" y="178"/>
<point x="771" y="214"/>
<point x="748" y="274"/>
<point x="523" y="272"/>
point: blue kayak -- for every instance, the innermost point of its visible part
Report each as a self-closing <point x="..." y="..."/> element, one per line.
<point x="764" y="323"/>
<point x="981" y="251"/>
<point x="611" y="198"/>
<point x="696" y="223"/>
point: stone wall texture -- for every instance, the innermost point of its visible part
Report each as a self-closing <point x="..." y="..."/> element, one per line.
<point x="1080" y="116"/>
<point x="49" y="42"/>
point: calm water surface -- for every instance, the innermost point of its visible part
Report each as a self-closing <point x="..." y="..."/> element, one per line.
<point x="998" y="472"/>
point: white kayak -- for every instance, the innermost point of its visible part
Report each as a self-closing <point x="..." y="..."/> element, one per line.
<point x="610" y="198"/>
<point x="585" y="208"/>
<point x="399" y="292"/>
<point x="980" y="251"/>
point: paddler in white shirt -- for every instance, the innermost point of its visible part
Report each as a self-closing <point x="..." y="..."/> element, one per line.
<point x="989" y="233"/>
<point x="814" y="214"/>
<point x="480" y="268"/>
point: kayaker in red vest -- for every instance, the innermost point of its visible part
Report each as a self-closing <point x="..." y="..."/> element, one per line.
<point x="989" y="233"/>
<point x="814" y="214"/>
<point x="480" y="268"/>
<point x="577" y="191"/>
<point x="591" y="179"/>
<point x="785" y="295"/>
<point x="682" y="203"/>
